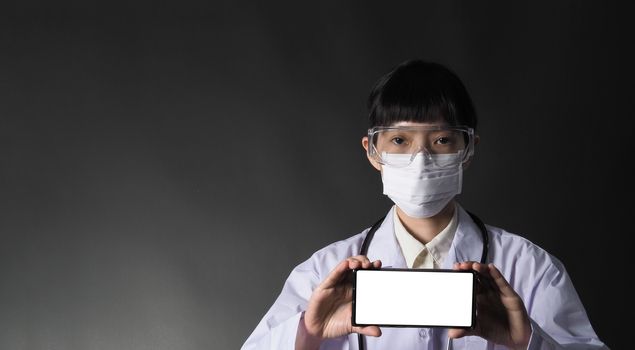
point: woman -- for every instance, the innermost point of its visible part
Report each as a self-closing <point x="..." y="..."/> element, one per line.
<point x="421" y="139"/>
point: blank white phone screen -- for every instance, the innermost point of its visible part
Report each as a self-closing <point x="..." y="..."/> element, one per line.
<point x="414" y="298"/>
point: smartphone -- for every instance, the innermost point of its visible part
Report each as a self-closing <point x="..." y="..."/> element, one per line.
<point x="393" y="297"/>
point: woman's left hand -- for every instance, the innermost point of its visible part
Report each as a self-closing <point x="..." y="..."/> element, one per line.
<point x="501" y="316"/>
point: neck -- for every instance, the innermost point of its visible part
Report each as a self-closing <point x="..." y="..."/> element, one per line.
<point x="424" y="230"/>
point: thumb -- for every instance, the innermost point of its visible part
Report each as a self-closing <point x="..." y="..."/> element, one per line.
<point x="456" y="333"/>
<point x="372" y="331"/>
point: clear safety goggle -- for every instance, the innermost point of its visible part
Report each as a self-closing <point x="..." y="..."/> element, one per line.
<point x="441" y="146"/>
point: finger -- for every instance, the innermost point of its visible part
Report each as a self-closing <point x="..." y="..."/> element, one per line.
<point x="485" y="283"/>
<point x="470" y="265"/>
<point x="480" y="268"/>
<point x="372" y="331"/>
<point x="354" y="264"/>
<point x="512" y="301"/>
<point x="482" y="273"/>
<point x="465" y="265"/>
<point x="504" y="287"/>
<point x="455" y="333"/>
<point x="377" y="264"/>
<point x="362" y="259"/>
<point x="336" y="275"/>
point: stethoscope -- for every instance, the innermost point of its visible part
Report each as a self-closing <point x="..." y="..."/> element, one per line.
<point x="373" y="229"/>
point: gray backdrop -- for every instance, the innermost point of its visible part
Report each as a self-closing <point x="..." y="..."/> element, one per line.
<point x="164" y="167"/>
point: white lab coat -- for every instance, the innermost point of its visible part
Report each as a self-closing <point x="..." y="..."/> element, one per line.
<point x="558" y="318"/>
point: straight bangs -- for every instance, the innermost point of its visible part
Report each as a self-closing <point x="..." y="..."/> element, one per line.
<point x="408" y="108"/>
<point x="422" y="92"/>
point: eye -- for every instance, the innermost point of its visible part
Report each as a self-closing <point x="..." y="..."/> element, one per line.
<point x="443" y="141"/>
<point x="398" y="141"/>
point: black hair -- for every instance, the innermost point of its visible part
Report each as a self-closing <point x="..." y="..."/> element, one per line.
<point x="420" y="91"/>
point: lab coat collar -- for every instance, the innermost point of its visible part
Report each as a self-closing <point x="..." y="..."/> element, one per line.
<point x="384" y="245"/>
<point x="467" y="244"/>
<point x="468" y="241"/>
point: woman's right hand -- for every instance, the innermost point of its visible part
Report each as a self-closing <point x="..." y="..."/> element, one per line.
<point x="329" y="312"/>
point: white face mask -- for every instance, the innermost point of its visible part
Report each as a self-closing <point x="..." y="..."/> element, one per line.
<point x="422" y="189"/>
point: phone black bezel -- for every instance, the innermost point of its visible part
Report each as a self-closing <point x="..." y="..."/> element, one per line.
<point x="474" y="281"/>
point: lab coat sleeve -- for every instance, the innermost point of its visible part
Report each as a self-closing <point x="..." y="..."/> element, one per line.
<point x="558" y="318"/>
<point x="540" y="340"/>
<point x="278" y="328"/>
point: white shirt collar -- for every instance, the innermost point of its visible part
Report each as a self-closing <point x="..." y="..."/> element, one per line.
<point x="437" y="248"/>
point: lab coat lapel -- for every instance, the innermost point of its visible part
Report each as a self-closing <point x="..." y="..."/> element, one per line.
<point x="467" y="244"/>
<point x="384" y="245"/>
